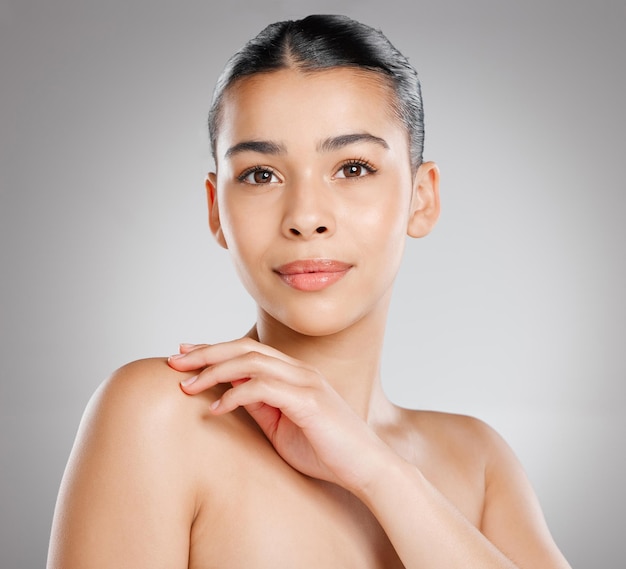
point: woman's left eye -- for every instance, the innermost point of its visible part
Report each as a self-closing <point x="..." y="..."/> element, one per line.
<point x="355" y="169"/>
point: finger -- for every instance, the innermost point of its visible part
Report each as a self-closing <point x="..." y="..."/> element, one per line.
<point x="185" y="348"/>
<point x="266" y="416"/>
<point x="179" y="361"/>
<point x="209" y="354"/>
<point x="250" y="365"/>
<point x="257" y="394"/>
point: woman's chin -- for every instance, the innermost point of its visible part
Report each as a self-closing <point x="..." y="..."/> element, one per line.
<point x="314" y="322"/>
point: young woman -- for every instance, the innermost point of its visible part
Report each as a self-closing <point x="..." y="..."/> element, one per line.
<point x="279" y="449"/>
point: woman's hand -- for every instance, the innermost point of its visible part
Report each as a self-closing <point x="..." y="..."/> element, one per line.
<point x="308" y="422"/>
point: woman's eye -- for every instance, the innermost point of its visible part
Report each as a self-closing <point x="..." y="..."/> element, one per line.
<point x="355" y="170"/>
<point x="258" y="176"/>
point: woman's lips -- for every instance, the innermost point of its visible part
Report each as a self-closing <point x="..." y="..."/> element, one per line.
<point x="312" y="274"/>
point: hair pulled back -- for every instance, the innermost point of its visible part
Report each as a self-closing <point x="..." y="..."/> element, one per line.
<point x="322" y="42"/>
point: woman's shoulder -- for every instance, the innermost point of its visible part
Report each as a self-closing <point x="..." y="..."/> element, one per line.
<point x="137" y="393"/>
<point x="143" y="402"/>
<point x="453" y="428"/>
<point x="152" y="374"/>
<point x="148" y="381"/>
<point x="135" y="471"/>
<point x="472" y="445"/>
<point x="140" y="429"/>
<point x="464" y="440"/>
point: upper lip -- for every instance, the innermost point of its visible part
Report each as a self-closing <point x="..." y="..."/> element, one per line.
<point x="312" y="266"/>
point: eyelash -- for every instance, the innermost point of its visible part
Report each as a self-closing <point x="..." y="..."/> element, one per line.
<point x="371" y="169"/>
<point x="258" y="168"/>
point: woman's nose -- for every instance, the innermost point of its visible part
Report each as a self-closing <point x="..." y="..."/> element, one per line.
<point x="308" y="213"/>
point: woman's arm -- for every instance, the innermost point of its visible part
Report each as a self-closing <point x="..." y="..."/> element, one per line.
<point x="127" y="499"/>
<point x="316" y="432"/>
<point x="428" y="531"/>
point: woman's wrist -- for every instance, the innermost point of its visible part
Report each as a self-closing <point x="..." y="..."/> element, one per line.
<point x="378" y="468"/>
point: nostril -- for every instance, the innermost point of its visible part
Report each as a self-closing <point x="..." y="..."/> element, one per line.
<point x="297" y="232"/>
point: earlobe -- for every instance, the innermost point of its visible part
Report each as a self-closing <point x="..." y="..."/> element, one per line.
<point x="214" y="214"/>
<point x="425" y="200"/>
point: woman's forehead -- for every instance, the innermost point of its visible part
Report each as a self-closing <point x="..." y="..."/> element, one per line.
<point x="295" y="104"/>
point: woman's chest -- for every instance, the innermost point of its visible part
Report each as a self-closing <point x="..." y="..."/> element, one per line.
<point x="268" y="515"/>
<point x="256" y="511"/>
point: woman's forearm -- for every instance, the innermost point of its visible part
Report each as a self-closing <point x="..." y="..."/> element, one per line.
<point x="427" y="531"/>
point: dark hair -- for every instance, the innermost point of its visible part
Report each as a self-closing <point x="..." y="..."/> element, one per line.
<point x="323" y="42"/>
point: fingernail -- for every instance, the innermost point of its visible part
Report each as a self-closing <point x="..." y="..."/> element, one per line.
<point x="176" y="356"/>
<point x="215" y="404"/>
<point x="185" y="346"/>
<point x="187" y="382"/>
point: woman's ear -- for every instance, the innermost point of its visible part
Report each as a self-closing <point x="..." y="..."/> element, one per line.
<point x="214" y="212"/>
<point x="425" y="200"/>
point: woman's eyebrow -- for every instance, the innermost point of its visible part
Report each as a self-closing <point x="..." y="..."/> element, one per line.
<point x="261" y="146"/>
<point x="337" y="142"/>
<point x="328" y="145"/>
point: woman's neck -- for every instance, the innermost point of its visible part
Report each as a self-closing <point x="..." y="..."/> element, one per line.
<point x="350" y="359"/>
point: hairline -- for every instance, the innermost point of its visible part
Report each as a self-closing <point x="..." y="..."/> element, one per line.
<point x="394" y="109"/>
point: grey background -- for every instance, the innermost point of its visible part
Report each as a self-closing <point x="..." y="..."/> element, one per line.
<point x="513" y="310"/>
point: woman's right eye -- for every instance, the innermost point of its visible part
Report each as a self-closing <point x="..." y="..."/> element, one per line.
<point x="257" y="176"/>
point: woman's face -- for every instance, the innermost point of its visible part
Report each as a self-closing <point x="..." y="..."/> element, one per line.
<point x="313" y="194"/>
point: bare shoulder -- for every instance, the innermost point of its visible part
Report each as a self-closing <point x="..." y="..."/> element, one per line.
<point x="447" y="423"/>
<point x="471" y="444"/>
<point x="509" y="513"/>
<point x="467" y="436"/>
<point x="134" y="400"/>
<point x="137" y="416"/>
<point x="143" y="383"/>
<point x="139" y="420"/>
<point x="134" y="483"/>
<point x="451" y="433"/>
<point x="144" y="396"/>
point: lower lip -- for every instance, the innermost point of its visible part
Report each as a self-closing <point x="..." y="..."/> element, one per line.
<point x="311" y="282"/>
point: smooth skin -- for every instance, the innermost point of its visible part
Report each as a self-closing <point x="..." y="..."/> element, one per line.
<point x="280" y="449"/>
